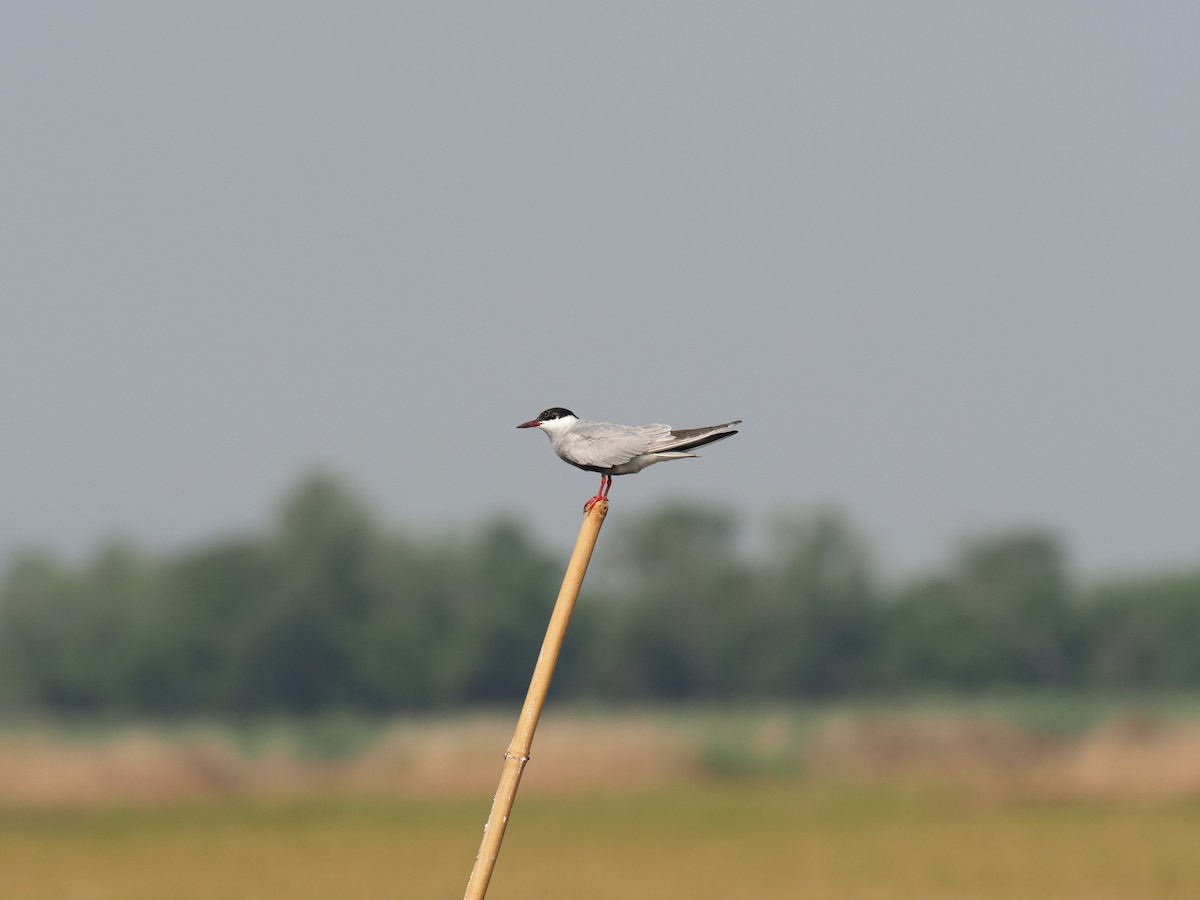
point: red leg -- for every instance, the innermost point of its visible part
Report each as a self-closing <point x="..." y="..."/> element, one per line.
<point x="601" y="493"/>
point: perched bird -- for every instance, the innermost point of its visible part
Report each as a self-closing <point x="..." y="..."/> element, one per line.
<point x="620" y="449"/>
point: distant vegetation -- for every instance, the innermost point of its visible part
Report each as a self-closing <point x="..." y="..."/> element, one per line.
<point x="331" y="610"/>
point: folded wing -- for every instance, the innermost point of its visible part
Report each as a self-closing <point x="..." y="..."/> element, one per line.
<point x="689" y="438"/>
<point x="604" y="445"/>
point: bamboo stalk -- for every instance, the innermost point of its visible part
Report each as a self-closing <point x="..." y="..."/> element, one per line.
<point x="517" y="754"/>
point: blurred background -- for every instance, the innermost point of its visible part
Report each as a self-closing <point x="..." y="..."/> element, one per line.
<point x="278" y="283"/>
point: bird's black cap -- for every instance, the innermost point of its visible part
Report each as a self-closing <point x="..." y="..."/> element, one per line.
<point x="555" y="412"/>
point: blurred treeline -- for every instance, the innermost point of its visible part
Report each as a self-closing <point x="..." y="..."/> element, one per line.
<point x="330" y="610"/>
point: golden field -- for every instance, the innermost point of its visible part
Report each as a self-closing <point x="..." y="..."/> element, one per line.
<point x="655" y="804"/>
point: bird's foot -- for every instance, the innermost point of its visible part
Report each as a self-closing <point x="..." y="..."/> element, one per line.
<point x="587" y="507"/>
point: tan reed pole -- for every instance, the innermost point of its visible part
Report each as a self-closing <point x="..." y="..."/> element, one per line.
<point x="518" y="751"/>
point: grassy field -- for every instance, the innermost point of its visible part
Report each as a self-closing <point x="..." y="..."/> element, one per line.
<point x="784" y="840"/>
<point x="926" y="801"/>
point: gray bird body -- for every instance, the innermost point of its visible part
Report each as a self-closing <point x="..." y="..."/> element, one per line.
<point x="611" y="449"/>
<point x="627" y="449"/>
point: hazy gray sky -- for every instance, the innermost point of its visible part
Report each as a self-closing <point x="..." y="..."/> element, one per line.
<point x="944" y="260"/>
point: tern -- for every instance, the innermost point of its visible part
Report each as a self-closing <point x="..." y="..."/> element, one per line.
<point x="620" y="449"/>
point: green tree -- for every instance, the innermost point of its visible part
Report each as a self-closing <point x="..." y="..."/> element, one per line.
<point x="399" y="647"/>
<point x="504" y="591"/>
<point x="931" y="638"/>
<point x="1017" y="583"/>
<point x="684" y="622"/>
<point x="817" y="622"/>
<point x="209" y="599"/>
<point x="1002" y="614"/>
<point x="297" y="652"/>
<point x="73" y="641"/>
<point x="1142" y="632"/>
